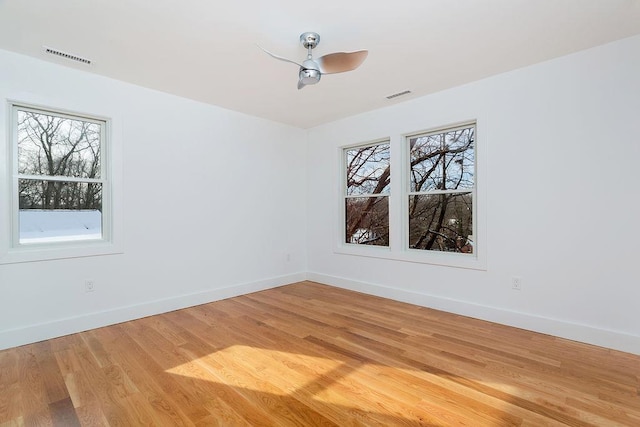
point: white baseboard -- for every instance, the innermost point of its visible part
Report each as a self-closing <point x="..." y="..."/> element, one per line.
<point x="559" y="328"/>
<point x="57" y="328"/>
<point x="573" y="331"/>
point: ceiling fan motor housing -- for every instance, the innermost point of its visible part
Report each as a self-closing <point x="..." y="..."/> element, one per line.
<point x="309" y="76"/>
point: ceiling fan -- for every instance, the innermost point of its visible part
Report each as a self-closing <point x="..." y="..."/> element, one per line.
<point x="312" y="69"/>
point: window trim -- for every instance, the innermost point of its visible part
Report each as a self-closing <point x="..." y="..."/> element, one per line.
<point x="398" y="206"/>
<point x="407" y="193"/>
<point x="11" y="250"/>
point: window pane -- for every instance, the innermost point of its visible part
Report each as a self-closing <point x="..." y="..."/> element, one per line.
<point x="59" y="211"/>
<point x="367" y="220"/>
<point x="441" y="222"/>
<point x="57" y="146"/>
<point x="368" y="170"/>
<point x="443" y="161"/>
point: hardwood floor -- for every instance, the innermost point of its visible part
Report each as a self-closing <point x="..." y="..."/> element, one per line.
<point x="309" y="354"/>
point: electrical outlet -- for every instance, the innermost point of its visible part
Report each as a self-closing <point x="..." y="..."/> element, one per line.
<point x="89" y="286"/>
<point x="516" y="283"/>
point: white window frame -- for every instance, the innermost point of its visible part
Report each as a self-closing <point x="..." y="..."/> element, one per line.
<point x="407" y="193"/>
<point x="398" y="249"/>
<point x="345" y="196"/>
<point x="11" y="250"/>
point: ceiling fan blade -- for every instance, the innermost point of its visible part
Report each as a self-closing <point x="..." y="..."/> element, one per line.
<point x="278" y="57"/>
<point x="340" y="62"/>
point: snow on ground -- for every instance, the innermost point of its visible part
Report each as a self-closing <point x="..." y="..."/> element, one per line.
<point x="40" y="225"/>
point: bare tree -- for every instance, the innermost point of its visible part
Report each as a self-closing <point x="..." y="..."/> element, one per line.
<point x="367" y="205"/>
<point x="440" y="206"/>
<point x="51" y="148"/>
<point x="442" y="180"/>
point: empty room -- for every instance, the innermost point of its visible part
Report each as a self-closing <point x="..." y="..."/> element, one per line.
<point x="343" y="213"/>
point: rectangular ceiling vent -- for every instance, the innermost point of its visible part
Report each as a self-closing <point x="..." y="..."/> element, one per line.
<point x="66" y="55"/>
<point x="395" y="95"/>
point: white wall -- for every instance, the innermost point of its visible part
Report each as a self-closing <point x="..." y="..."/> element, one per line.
<point x="213" y="201"/>
<point x="560" y="147"/>
<point x="558" y="140"/>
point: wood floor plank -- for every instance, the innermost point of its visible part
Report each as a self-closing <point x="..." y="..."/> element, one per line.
<point x="51" y="376"/>
<point x="91" y="415"/>
<point x="34" y="402"/>
<point x="10" y="406"/>
<point x="63" y="413"/>
<point x="18" y="422"/>
<point x="169" y="400"/>
<point x="307" y="354"/>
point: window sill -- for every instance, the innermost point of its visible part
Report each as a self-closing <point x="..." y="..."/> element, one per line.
<point x="42" y="252"/>
<point x="445" y="259"/>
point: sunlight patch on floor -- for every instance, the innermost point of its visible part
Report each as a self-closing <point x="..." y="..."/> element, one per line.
<point x="330" y="381"/>
<point x="289" y="371"/>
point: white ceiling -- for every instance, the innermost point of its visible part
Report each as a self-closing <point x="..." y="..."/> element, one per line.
<point x="206" y="50"/>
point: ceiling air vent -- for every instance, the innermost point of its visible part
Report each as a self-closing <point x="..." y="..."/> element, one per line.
<point x="66" y="55"/>
<point x="395" y="95"/>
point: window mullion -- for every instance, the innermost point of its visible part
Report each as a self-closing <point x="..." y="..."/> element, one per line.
<point x="396" y="198"/>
